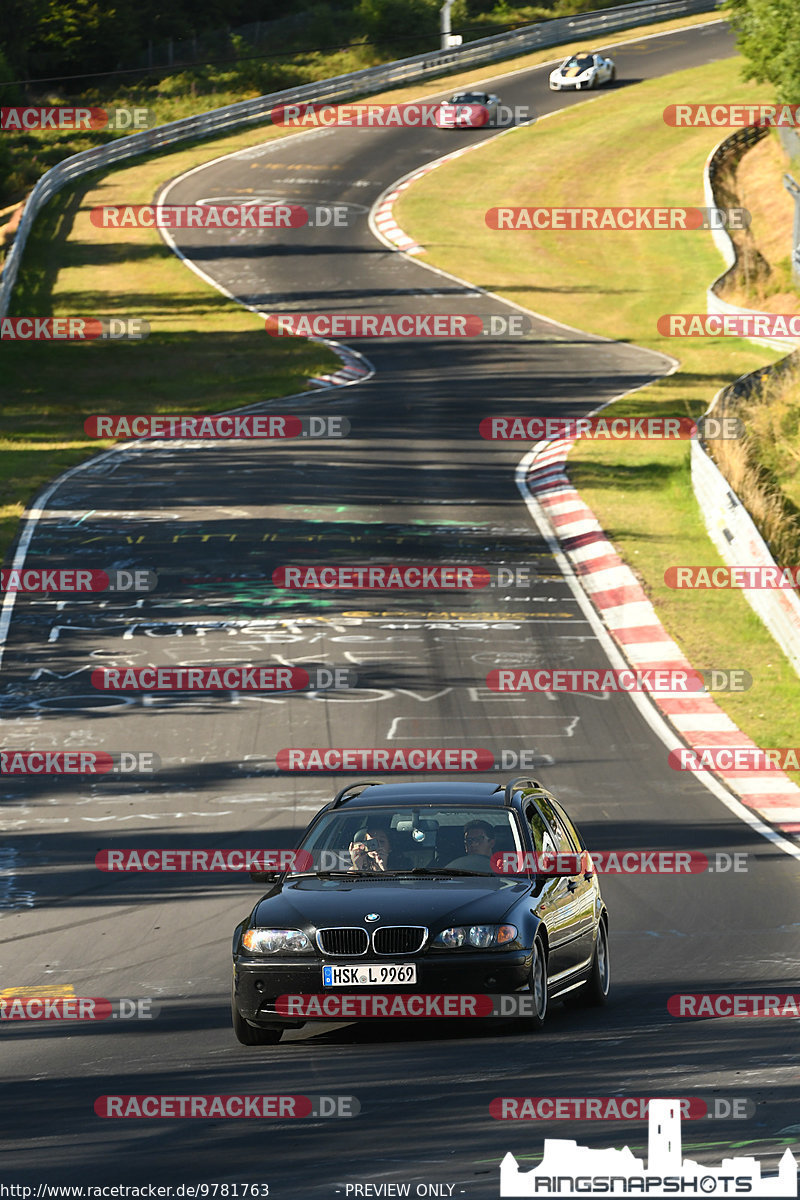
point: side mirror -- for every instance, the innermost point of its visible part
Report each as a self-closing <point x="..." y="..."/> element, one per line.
<point x="264" y="876"/>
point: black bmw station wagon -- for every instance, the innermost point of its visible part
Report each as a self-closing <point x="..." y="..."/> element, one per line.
<point x="403" y="895"/>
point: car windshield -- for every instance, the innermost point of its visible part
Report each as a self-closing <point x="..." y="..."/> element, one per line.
<point x="469" y="98"/>
<point x="425" y="837"/>
<point x="582" y="61"/>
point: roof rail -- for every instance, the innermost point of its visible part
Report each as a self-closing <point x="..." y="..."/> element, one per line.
<point x="519" y="782"/>
<point x="351" y="788"/>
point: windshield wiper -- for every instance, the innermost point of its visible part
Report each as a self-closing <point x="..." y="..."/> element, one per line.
<point x="442" y="871"/>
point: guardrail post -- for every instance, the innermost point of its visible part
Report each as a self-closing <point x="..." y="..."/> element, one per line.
<point x="793" y="188"/>
<point x="444" y="26"/>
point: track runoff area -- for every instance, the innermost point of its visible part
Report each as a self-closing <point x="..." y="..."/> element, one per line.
<point x="159" y="678"/>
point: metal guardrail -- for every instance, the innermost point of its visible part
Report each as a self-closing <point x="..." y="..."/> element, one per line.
<point x="729" y="525"/>
<point x="341" y="87"/>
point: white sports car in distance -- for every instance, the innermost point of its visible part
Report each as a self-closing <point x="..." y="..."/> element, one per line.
<point x="586" y="69"/>
<point x="468" y="110"/>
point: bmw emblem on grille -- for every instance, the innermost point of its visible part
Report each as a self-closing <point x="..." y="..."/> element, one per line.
<point x="372" y="917"/>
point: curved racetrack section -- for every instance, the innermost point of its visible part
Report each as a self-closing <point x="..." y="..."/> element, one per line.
<point x="412" y="481"/>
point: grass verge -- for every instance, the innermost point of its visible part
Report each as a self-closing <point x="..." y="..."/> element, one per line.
<point x="618" y="284"/>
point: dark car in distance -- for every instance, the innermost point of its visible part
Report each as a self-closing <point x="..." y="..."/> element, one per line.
<point x="422" y="908"/>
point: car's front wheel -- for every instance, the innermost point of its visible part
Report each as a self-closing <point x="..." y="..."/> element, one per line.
<point x="538" y="985"/>
<point x="247" y="1034"/>
<point x="613" y="76"/>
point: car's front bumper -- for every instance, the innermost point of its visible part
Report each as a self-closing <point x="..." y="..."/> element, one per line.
<point x="258" y="984"/>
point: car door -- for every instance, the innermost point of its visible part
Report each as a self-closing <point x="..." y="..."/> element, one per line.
<point x="581" y="886"/>
<point x="552" y="901"/>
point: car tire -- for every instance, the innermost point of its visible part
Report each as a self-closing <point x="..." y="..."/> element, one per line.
<point x="249" y="1035"/>
<point x="538" y="986"/>
<point x="594" y="993"/>
<point x="613" y="76"/>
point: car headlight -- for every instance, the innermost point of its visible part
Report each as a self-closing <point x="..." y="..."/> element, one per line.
<point x="277" y="941"/>
<point x="481" y="937"/>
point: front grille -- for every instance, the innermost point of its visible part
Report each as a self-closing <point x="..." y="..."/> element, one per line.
<point x="399" y="939"/>
<point x="345" y="941"/>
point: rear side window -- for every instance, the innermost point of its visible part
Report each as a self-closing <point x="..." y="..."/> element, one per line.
<point x="569" y="826"/>
<point x="544" y="841"/>
<point x="563" y="843"/>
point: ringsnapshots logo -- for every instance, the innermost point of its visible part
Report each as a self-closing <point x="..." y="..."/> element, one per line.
<point x="223" y="679"/>
<point x="73" y="329"/>
<point x="221" y="427"/>
<point x="398" y="325"/>
<point x="608" y="429"/>
<point x="615" y="219"/>
<point x="117" y="119"/>
<point x="568" y="1169"/>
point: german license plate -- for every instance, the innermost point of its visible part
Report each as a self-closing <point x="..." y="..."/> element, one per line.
<point x="369" y="975"/>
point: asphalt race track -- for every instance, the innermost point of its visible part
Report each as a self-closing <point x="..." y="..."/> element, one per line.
<point x="413" y="481"/>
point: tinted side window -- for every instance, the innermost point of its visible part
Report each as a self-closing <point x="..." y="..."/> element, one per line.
<point x="543" y="840"/>
<point x="563" y="844"/>
<point x="569" y="826"/>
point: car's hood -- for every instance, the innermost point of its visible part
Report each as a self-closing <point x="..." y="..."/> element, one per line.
<point x="431" y="901"/>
